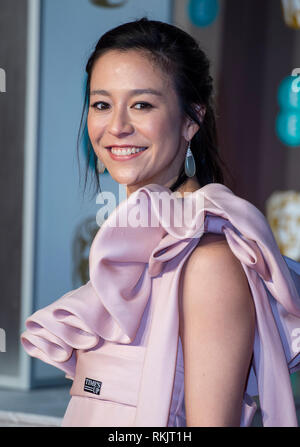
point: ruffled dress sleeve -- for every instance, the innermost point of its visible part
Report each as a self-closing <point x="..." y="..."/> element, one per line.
<point x="127" y="261"/>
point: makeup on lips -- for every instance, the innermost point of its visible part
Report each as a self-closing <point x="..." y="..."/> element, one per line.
<point x="120" y="153"/>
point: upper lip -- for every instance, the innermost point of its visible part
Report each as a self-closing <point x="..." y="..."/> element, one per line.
<point x="123" y="145"/>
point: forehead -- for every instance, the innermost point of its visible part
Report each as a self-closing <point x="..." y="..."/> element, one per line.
<point x="130" y="67"/>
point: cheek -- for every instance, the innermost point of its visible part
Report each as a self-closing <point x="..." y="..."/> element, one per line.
<point x="161" y="128"/>
<point x="94" y="126"/>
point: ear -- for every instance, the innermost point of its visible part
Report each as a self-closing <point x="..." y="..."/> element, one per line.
<point x="190" y="127"/>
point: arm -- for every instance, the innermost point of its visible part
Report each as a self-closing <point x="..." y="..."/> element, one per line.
<point x="217" y="325"/>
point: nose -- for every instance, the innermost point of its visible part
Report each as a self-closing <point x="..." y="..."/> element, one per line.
<point x="120" y="123"/>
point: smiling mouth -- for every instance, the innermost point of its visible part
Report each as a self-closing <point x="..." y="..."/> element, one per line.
<point x="126" y="151"/>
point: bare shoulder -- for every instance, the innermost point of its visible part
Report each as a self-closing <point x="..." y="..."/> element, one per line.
<point x="214" y="276"/>
<point x="209" y="242"/>
<point x="216" y="327"/>
<point x="211" y="255"/>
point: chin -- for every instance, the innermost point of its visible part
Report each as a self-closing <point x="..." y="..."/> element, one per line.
<point x="123" y="179"/>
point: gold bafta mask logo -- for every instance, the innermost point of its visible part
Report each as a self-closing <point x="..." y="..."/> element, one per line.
<point x="291" y="13"/>
<point x="283" y="215"/>
<point x="82" y="240"/>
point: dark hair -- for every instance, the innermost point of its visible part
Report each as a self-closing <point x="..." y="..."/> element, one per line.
<point x="179" y="55"/>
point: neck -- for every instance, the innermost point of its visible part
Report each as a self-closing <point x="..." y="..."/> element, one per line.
<point x="190" y="185"/>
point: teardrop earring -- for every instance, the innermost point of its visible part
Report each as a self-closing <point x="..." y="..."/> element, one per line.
<point x="100" y="166"/>
<point x="189" y="164"/>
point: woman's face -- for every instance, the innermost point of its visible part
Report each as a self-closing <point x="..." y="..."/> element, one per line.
<point x="133" y="104"/>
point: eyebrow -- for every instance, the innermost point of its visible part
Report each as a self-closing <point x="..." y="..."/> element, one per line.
<point x="137" y="91"/>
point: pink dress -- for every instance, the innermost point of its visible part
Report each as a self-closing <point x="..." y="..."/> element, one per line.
<point x="117" y="336"/>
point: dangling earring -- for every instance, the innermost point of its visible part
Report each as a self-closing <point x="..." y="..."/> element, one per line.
<point x="189" y="164"/>
<point x="100" y="166"/>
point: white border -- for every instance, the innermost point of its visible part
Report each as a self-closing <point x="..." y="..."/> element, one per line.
<point x="29" y="189"/>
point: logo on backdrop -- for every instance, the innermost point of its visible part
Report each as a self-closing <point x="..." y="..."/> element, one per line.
<point x="296" y="82"/>
<point x="2" y="81"/>
<point x="2" y="340"/>
<point x="109" y="3"/>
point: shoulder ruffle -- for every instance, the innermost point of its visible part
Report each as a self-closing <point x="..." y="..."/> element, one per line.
<point x="123" y="262"/>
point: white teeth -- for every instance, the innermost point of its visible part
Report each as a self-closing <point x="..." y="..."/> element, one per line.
<point x="126" y="151"/>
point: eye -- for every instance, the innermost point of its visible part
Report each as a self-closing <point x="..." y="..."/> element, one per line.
<point x="100" y="105"/>
<point x="96" y="104"/>
<point x="145" y="105"/>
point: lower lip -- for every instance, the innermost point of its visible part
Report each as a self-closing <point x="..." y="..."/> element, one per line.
<point x="125" y="157"/>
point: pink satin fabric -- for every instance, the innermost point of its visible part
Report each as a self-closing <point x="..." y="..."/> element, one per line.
<point x="122" y="325"/>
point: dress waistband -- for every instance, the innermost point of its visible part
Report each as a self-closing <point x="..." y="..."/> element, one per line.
<point x="111" y="372"/>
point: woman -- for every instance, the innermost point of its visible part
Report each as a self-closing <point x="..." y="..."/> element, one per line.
<point x="177" y="326"/>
